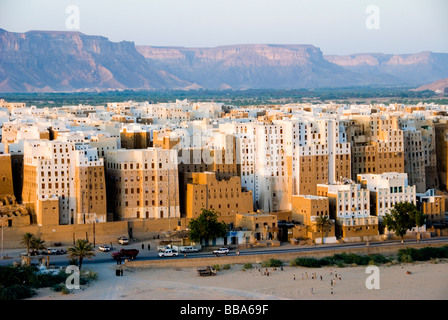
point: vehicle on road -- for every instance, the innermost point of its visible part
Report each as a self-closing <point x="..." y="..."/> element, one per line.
<point x="168" y="253"/>
<point x="188" y="249"/>
<point x="55" y="251"/>
<point x="125" y="254"/>
<point x="221" y="251"/>
<point x="104" y="248"/>
<point x="123" y="241"/>
<point x="163" y="248"/>
<point x="206" y="271"/>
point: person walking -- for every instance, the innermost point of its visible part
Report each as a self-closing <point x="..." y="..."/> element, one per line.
<point x="149" y="246"/>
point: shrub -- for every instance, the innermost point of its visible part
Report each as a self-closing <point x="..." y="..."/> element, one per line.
<point x="65" y="290"/>
<point x="327" y="261"/>
<point x="39" y="280"/>
<point x="87" y="277"/>
<point x="226" y="266"/>
<point x="424" y="254"/>
<point x="248" y="266"/>
<point x="306" y="262"/>
<point x="378" y="258"/>
<point x="272" y="263"/>
<point x="10" y="275"/>
<point x="58" y="287"/>
<point x="16" y="292"/>
<point x="407" y="255"/>
<point x="352" y="258"/>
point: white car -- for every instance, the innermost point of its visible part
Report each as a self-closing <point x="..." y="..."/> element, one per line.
<point x="123" y="241"/>
<point x="188" y="250"/>
<point x="104" y="248"/>
<point x="168" y="253"/>
<point x="221" y="251"/>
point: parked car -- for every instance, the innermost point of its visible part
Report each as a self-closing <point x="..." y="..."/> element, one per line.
<point x="188" y="250"/>
<point x="55" y="251"/>
<point x="123" y="241"/>
<point x="206" y="271"/>
<point x="52" y="251"/>
<point x="104" y="248"/>
<point x="221" y="251"/>
<point x="168" y="253"/>
<point x="163" y="248"/>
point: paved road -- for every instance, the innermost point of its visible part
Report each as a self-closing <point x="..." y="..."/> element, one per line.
<point x="104" y="257"/>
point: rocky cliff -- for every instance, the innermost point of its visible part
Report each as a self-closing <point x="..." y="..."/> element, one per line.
<point x="395" y="69"/>
<point x="250" y="66"/>
<point x="40" y="61"/>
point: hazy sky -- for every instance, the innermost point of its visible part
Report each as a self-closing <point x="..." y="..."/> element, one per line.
<point x="335" y="26"/>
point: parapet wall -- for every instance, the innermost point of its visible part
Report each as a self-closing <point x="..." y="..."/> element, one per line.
<point x="388" y="251"/>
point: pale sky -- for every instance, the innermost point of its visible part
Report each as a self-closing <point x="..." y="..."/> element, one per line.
<point x="335" y="26"/>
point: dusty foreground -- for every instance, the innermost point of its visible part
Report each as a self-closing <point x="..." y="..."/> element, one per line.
<point x="403" y="281"/>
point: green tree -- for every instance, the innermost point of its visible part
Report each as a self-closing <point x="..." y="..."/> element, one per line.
<point x="37" y="244"/>
<point x="419" y="218"/>
<point x="27" y="239"/>
<point x="323" y="223"/>
<point x="82" y="249"/>
<point x="206" y="226"/>
<point x="403" y="217"/>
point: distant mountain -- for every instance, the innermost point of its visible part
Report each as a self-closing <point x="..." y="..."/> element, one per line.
<point x="395" y="69"/>
<point x="44" y="61"/>
<point x="436" y="86"/>
<point x="251" y="66"/>
<point x="41" y="61"/>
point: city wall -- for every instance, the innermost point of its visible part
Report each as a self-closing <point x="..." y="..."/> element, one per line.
<point x="67" y="234"/>
<point x="148" y="229"/>
<point x="101" y="233"/>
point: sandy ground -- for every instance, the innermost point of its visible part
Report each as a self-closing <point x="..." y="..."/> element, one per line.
<point x="425" y="281"/>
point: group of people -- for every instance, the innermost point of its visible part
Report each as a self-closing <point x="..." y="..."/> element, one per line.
<point x="315" y="276"/>
<point x="266" y="271"/>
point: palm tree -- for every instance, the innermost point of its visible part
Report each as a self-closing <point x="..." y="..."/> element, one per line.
<point x="37" y="244"/>
<point x="82" y="249"/>
<point x="27" y="239"/>
<point x="323" y="223"/>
